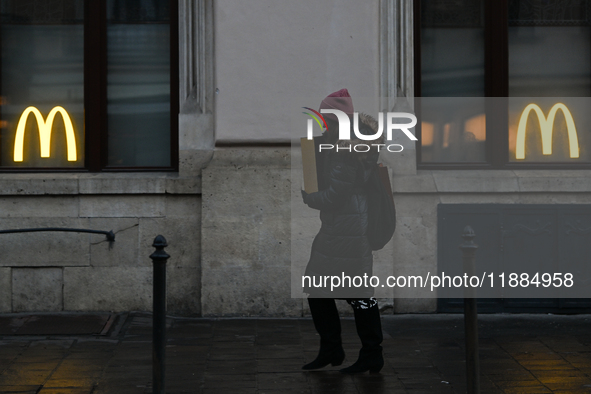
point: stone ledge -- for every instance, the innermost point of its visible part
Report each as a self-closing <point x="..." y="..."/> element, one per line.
<point x="425" y="181"/>
<point x="255" y="156"/>
<point x="104" y="183"/>
<point x="494" y="181"/>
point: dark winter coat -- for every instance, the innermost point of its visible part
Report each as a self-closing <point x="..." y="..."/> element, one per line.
<point x="341" y="246"/>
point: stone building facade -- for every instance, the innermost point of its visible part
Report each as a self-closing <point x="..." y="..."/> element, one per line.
<point x="226" y="212"/>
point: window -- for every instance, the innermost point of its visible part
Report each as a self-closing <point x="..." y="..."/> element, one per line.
<point x="504" y="67"/>
<point x="88" y="85"/>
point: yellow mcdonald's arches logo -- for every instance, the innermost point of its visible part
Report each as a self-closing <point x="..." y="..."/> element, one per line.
<point x="45" y="127"/>
<point x="546" y="127"/>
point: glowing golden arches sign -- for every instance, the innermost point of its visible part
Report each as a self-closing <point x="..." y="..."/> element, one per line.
<point x="546" y="127"/>
<point x="45" y="127"/>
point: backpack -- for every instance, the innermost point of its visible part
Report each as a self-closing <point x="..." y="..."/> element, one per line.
<point x="382" y="213"/>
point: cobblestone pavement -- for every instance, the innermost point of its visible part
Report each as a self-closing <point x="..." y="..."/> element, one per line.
<point x="424" y="354"/>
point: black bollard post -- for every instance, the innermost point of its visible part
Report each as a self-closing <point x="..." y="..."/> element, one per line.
<point x="470" y="314"/>
<point x="159" y="258"/>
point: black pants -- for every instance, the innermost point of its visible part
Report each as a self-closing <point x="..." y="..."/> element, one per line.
<point x="328" y="323"/>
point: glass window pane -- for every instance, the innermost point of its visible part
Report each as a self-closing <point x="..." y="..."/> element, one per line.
<point x="453" y="129"/>
<point x="549" y="129"/>
<point x="42" y="68"/>
<point x="452" y="48"/>
<point x="138" y="83"/>
<point x="549" y="48"/>
<point x="549" y="80"/>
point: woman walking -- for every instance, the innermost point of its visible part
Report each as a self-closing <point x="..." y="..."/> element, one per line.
<point x="341" y="248"/>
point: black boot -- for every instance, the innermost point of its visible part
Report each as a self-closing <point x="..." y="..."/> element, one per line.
<point x="328" y="324"/>
<point x="369" y="329"/>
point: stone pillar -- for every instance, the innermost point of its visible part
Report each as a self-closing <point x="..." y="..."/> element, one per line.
<point x="397" y="73"/>
<point x="196" y="85"/>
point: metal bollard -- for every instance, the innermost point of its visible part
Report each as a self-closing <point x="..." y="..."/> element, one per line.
<point x="470" y="314"/>
<point x="159" y="258"/>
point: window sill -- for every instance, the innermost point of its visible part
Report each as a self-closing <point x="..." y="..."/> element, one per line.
<point x="104" y="183"/>
<point x="494" y="181"/>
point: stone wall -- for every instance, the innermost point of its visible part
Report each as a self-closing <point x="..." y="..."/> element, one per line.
<point x="229" y="233"/>
<point x="246" y="234"/>
<point x="417" y="197"/>
<point x="55" y="271"/>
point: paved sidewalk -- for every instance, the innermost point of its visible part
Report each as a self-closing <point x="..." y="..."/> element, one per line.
<point x="424" y="354"/>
